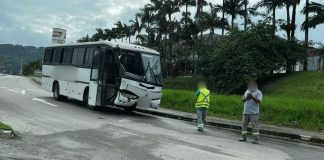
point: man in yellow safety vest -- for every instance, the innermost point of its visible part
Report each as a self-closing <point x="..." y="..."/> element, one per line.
<point x="202" y="104"/>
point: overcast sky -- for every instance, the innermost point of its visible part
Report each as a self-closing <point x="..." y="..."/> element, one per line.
<point x="30" y="22"/>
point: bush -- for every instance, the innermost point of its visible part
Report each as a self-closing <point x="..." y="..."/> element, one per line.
<point x="251" y="54"/>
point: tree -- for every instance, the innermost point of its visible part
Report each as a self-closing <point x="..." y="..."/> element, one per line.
<point x="234" y="8"/>
<point x="251" y="54"/>
<point x="99" y="35"/>
<point x="84" y="39"/>
<point x="317" y="18"/>
<point x="136" y="27"/>
<point x="187" y="3"/>
<point x="293" y="20"/>
<point x="271" y="5"/>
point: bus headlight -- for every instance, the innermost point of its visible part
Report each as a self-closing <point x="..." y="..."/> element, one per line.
<point x="128" y="94"/>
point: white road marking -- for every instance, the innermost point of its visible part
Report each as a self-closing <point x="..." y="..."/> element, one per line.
<point x="3" y="87"/>
<point x="44" y="101"/>
<point x="20" y="91"/>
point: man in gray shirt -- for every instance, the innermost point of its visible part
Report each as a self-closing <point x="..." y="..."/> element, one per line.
<point x="252" y="99"/>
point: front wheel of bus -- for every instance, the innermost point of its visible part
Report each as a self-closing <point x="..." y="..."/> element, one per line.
<point x="56" y="93"/>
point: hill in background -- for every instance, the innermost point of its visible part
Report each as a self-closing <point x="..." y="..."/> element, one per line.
<point x="12" y="55"/>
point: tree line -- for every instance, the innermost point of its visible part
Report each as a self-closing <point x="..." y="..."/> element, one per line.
<point x="189" y="46"/>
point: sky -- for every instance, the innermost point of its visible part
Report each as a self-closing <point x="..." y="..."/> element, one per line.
<point x="30" y="22"/>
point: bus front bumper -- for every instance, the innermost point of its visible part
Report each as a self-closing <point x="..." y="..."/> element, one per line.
<point x="141" y="102"/>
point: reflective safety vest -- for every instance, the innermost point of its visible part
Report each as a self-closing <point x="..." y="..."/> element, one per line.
<point x="203" y="98"/>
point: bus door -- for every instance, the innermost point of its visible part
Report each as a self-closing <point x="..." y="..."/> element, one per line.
<point x="94" y="78"/>
<point x="109" y="78"/>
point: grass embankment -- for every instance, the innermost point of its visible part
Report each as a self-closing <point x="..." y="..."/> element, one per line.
<point x="295" y="101"/>
<point x="5" y="127"/>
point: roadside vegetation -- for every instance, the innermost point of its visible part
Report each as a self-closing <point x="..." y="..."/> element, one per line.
<point x="295" y="100"/>
<point x="30" y="68"/>
<point x="279" y="110"/>
<point x="5" y="127"/>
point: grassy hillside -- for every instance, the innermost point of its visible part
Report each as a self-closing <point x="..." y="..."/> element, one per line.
<point x="300" y="85"/>
<point x="278" y="110"/>
<point x="296" y="100"/>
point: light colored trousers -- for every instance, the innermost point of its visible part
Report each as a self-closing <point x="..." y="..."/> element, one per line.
<point x="201" y="116"/>
<point x="254" y="119"/>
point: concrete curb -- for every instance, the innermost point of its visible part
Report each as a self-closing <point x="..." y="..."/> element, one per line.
<point x="281" y="134"/>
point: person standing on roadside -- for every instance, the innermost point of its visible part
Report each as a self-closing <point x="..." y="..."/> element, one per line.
<point x="252" y="99"/>
<point x="202" y="104"/>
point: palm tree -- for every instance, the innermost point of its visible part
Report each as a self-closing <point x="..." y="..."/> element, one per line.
<point x="271" y="5"/>
<point x="318" y="15"/>
<point x="120" y="30"/>
<point x="287" y="26"/>
<point x="213" y="21"/>
<point x="306" y="21"/>
<point x="200" y="6"/>
<point x="293" y="20"/>
<point x="234" y="8"/>
<point x="98" y="35"/>
<point x="187" y="3"/>
<point x="127" y="32"/>
<point x="136" y="27"/>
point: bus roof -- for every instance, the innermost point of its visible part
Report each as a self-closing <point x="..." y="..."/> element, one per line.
<point x="112" y="44"/>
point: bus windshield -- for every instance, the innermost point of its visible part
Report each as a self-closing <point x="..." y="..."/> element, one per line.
<point x="146" y="66"/>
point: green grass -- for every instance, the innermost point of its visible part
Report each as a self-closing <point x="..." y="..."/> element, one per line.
<point x="4" y="126"/>
<point x="308" y="85"/>
<point x="278" y="110"/>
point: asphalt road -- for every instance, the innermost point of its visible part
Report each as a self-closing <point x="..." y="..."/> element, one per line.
<point x="67" y="130"/>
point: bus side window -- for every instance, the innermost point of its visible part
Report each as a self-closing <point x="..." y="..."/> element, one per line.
<point x="75" y="56"/>
<point x="48" y="55"/>
<point x="89" y="57"/>
<point x="57" y="55"/>
<point x="95" y="66"/>
<point x="67" y="56"/>
<point x="78" y="56"/>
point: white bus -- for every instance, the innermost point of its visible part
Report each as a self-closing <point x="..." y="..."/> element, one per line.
<point x="104" y="73"/>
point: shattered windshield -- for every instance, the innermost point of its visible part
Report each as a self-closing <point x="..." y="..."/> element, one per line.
<point x="152" y="68"/>
<point x="145" y="65"/>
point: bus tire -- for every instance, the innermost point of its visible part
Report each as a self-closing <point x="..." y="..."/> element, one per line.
<point x="56" y="93"/>
<point x="130" y="109"/>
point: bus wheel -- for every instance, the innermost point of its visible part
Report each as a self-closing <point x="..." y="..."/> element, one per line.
<point x="130" y="109"/>
<point x="56" y="93"/>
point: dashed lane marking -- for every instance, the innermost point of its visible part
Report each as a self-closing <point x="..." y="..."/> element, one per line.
<point x="17" y="91"/>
